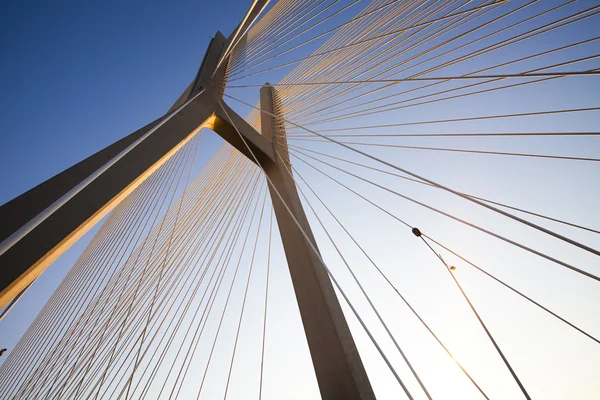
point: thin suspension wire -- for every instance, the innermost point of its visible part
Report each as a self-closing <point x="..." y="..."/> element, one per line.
<point x="249" y="59"/>
<point x="446" y="149"/>
<point x="317" y="254"/>
<point x="325" y="33"/>
<point x="164" y="262"/>
<point x="527" y="35"/>
<point x="361" y="42"/>
<point x="204" y="240"/>
<point x="178" y="176"/>
<point x="479" y="228"/>
<point x="433" y="78"/>
<point x="36" y="379"/>
<point x="358" y="64"/>
<point x="224" y="230"/>
<point x="239" y="326"/>
<point x="488" y="333"/>
<point x="216" y="288"/>
<point x="447" y="120"/>
<point x="296" y="172"/>
<point x="146" y="349"/>
<point x="427" y="184"/>
<point x="451" y="135"/>
<point x="506" y="42"/>
<point x="226" y="302"/>
<point x="478" y="202"/>
<point x="217" y="283"/>
<point x="121" y="217"/>
<point x="264" y="328"/>
<point x="363" y="291"/>
<point x="406" y="224"/>
<point x="513" y="289"/>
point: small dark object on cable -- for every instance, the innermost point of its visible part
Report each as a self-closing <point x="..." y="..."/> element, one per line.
<point x="2" y="352"/>
<point x="416" y="232"/>
<point x="453" y="268"/>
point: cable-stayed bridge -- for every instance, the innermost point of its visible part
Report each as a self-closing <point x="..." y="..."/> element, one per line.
<point x="426" y="170"/>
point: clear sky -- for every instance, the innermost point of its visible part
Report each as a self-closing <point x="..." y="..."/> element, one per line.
<point x="76" y="76"/>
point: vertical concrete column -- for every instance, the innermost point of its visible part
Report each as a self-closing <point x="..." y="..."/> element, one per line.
<point x="339" y="369"/>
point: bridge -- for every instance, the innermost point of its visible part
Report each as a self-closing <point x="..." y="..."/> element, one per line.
<point x="366" y="183"/>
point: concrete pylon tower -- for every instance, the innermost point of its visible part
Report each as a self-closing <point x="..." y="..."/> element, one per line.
<point x="39" y="225"/>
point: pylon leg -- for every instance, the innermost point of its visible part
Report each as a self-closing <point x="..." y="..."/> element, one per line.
<point x="339" y="369"/>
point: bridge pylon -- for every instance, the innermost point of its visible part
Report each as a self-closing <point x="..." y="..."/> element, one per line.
<point x="41" y="224"/>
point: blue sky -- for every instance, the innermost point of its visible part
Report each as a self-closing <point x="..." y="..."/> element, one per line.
<point x="93" y="73"/>
<point x="78" y="76"/>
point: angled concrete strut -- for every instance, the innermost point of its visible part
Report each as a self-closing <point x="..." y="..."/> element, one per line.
<point x="38" y="226"/>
